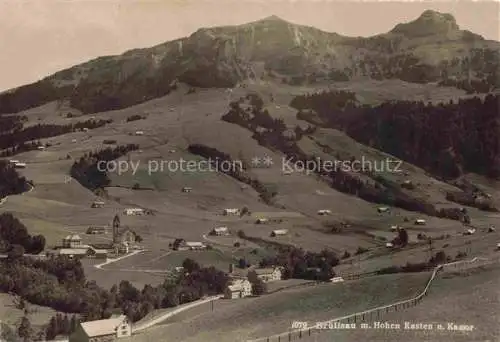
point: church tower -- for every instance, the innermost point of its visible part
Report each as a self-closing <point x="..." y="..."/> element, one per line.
<point x="116" y="227"/>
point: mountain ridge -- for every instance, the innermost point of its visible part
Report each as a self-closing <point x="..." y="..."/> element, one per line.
<point x="431" y="48"/>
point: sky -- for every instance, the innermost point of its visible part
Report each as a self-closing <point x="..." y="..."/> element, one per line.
<point x="40" y="37"/>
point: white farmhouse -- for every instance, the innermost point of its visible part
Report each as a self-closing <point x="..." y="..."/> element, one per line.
<point x="239" y="288"/>
<point x="383" y="209"/>
<point x="220" y="231"/>
<point x="324" y="212"/>
<point x="279" y="232"/>
<point x="231" y="211"/>
<point x="420" y="222"/>
<point x="139" y="133"/>
<point x="133" y="211"/>
<point x="269" y="274"/>
<point x="102" y="330"/>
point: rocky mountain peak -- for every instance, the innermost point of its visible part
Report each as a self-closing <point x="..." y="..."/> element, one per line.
<point x="428" y="23"/>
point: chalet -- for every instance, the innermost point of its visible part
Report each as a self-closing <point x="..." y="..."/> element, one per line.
<point x="73" y="140"/>
<point x="96" y="230"/>
<point x="394" y="228"/>
<point x="139" y="133"/>
<point x="269" y="274"/>
<point x="219" y="231"/>
<point x="261" y="220"/>
<point x="133" y="211"/>
<point x="41" y="148"/>
<point x="324" y="212"/>
<point x="187" y="189"/>
<point x="279" y="232"/>
<point x="239" y="288"/>
<point x="420" y="222"/>
<point x="383" y="209"/>
<point x="85" y="129"/>
<point x="231" y="211"/>
<point x="97" y="204"/>
<point x="13" y="162"/>
<point x="72" y="241"/>
<point x="389" y="245"/>
<point x="103" y="330"/>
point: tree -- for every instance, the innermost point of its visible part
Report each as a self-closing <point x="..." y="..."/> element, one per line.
<point x="25" y="330"/>
<point x="190" y="265"/>
<point x="52" y="329"/>
<point x="16" y="252"/>
<point x="242" y="263"/>
<point x="37" y="244"/>
<point x="258" y="286"/>
<point x="403" y="237"/>
<point x="138" y="238"/>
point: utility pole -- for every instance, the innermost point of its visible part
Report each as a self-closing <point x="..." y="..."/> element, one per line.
<point x="430" y="248"/>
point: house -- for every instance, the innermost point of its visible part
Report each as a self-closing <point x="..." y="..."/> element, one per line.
<point x="394" y="228"/>
<point x="491" y="229"/>
<point x="96" y="230"/>
<point x="420" y="222"/>
<point x="127" y="235"/>
<point x="183" y="245"/>
<point x="470" y="231"/>
<point x="279" y="232"/>
<point x="219" y="231"/>
<point x="20" y="165"/>
<point x="337" y="279"/>
<point x="389" y="245"/>
<point x="139" y="133"/>
<point x="261" y="220"/>
<point x="122" y="247"/>
<point x="238" y="288"/>
<point x="97" y="204"/>
<point x="232" y="211"/>
<point x="187" y="189"/>
<point x="269" y="274"/>
<point x="103" y="330"/>
<point x="133" y="211"/>
<point x="324" y="212"/>
<point x="195" y="245"/>
<point x="13" y="162"/>
<point x="41" y="148"/>
<point x="383" y="209"/>
<point x="88" y="252"/>
<point x="72" y="241"/>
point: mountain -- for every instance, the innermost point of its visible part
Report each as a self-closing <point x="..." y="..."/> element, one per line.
<point x="431" y="48"/>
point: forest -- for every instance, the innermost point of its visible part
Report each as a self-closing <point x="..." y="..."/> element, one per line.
<point x="86" y="172"/>
<point x="11" y="182"/>
<point x="447" y="139"/>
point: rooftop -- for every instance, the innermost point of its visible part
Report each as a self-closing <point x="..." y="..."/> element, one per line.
<point x="102" y="327"/>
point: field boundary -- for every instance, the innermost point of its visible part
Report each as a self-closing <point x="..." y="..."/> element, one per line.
<point x="376" y="312"/>
<point x="173" y="313"/>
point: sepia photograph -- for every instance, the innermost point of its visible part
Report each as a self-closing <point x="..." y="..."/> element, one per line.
<point x="249" y="171"/>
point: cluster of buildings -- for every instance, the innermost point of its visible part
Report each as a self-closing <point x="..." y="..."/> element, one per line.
<point x="240" y="287"/>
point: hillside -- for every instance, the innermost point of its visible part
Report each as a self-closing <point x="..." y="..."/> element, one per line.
<point x="432" y="48"/>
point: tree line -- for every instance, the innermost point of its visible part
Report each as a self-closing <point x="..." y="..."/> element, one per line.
<point x="40" y="131"/>
<point x="86" y="172"/>
<point x="13" y="232"/>
<point x="11" y="182"/>
<point x="447" y="140"/>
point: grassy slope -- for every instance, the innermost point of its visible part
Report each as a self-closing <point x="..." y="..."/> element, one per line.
<point x="470" y="298"/>
<point x="254" y="317"/>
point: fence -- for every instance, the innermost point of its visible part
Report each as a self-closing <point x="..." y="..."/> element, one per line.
<point x="367" y="315"/>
